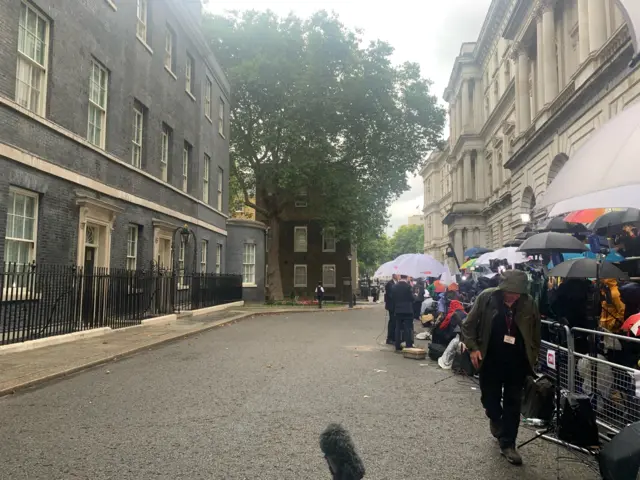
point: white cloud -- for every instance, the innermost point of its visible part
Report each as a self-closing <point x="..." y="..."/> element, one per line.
<point x="429" y="33"/>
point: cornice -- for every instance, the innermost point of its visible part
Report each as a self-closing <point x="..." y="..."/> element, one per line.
<point x="571" y="104"/>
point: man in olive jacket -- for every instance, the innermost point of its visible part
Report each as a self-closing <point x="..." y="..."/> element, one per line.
<point x="502" y="333"/>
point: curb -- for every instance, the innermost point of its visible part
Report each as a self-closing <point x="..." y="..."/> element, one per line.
<point x="219" y="323"/>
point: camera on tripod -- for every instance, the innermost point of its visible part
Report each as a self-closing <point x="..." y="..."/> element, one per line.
<point x="499" y="265"/>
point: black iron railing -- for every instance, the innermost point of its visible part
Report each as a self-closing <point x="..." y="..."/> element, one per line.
<point x="45" y="300"/>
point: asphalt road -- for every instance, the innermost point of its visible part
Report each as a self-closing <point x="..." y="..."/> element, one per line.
<point x="248" y="401"/>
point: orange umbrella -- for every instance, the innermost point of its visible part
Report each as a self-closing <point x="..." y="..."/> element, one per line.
<point x="439" y="286"/>
<point x="585" y="216"/>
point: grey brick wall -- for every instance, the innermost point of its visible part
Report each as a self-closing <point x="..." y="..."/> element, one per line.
<point x="58" y="217"/>
<point x="241" y="232"/>
<point x="90" y="29"/>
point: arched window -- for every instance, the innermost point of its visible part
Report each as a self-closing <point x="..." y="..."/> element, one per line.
<point x="556" y="165"/>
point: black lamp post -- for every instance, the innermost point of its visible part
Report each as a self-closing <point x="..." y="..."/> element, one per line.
<point x="349" y="257"/>
<point x="185" y="233"/>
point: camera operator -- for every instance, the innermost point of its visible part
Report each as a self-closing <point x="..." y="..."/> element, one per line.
<point x="502" y="332"/>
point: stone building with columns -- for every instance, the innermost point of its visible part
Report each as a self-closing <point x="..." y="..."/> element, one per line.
<point x="541" y="77"/>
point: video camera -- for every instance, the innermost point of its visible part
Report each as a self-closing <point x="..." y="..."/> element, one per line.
<point x="499" y="265"/>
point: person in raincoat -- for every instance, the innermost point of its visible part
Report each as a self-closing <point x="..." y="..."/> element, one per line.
<point x="612" y="315"/>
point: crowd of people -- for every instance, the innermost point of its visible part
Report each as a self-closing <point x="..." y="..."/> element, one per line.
<point x="493" y="325"/>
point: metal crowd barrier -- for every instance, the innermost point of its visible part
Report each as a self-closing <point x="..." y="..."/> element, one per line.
<point x="614" y="387"/>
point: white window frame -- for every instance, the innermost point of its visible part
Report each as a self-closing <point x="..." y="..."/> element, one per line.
<point x="205" y="178"/>
<point x="335" y="280"/>
<point x="164" y="153"/>
<point x="34" y="241"/>
<point x="142" y="13"/>
<point x="335" y="241"/>
<point x="208" y="93"/>
<point x="220" y="187"/>
<point x="30" y="63"/>
<point x="188" y="73"/>
<point x="297" y="284"/>
<point x="218" y="258"/>
<point x="221" y="108"/>
<point x="249" y="260"/>
<point x="132" y="239"/>
<point x="95" y="109"/>
<point x="204" y="251"/>
<point x="138" y="134"/>
<point x="296" y="248"/>
<point x="169" y="39"/>
<point x="186" y="154"/>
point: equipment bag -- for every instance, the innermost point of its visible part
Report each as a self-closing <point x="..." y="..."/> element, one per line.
<point x="578" y="421"/>
<point x="538" y="398"/>
<point x="435" y="350"/>
<point x="462" y="364"/>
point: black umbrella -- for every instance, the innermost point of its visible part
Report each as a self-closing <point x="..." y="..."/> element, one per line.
<point x="557" y="224"/>
<point x="612" y="222"/>
<point x="587" y="268"/>
<point x="550" y="242"/>
<point x="513" y="243"/>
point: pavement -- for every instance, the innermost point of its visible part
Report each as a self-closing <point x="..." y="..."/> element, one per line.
<point x="249" y="401"/>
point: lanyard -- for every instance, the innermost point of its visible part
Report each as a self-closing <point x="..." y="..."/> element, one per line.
<point x="508" y="315"/>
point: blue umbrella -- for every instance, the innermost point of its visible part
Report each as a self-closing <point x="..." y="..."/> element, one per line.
<point x="613" y="257"/>
<point x="476" y="252"/>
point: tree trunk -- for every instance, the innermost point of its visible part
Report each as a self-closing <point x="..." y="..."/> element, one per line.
<point x="274" y="279"/>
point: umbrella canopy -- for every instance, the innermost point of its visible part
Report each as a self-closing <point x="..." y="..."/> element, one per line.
<point x="586" y="268"/>
<point x="585" y="216"/>
<point x="475" y="252"/>
<point x="417" y="265"/>
<point x="613" y="222"/>
<point x="612" y="178"/>
<point x="549" y="242"/>
<point x="468" y="264"/>
<point x="632" y="324"/>
<point x="510" y="254"/>
<point x="560" y="225"/>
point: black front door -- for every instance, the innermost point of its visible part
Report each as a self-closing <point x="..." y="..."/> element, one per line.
<point x="88" y="285"/>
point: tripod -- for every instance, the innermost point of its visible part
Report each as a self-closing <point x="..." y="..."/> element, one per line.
<point x="554" y="425"/>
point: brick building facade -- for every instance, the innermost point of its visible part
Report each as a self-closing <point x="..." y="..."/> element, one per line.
<point x="114" y="128"/>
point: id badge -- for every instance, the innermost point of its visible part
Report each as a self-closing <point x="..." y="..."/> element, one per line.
<point x="509" y="339"/>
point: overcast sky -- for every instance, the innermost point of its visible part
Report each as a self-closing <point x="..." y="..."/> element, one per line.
<point x="428" y="32"/>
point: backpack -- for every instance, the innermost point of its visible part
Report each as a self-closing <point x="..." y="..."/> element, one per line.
<point x="435" y="350"/>
<point x="462" y="364"/>
<point x="538" y="398"/>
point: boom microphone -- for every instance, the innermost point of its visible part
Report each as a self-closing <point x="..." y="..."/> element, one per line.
<point x="340" y="453"/>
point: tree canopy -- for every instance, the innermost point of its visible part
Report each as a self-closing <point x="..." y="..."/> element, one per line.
<point x="373" y="251"/>
<point x="313" y="109"/>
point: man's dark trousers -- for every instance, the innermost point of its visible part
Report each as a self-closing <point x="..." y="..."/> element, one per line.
<point x="404" y="329"/>
<point x="503" y="410"/>
<point x="391" y="327"/>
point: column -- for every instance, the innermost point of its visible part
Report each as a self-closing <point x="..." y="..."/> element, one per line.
<point x="550" y="69"/>
<point x="452" y="121"/>
<point x="597" y="24"/>
<point x="583" y="29"/>
<point x="460" y="184"/>
<point x="454" y="184"/>
<point x="523" y="107"/>
<point x="457" y="245"/>
<point x="458" y="117"/>
<point x="539" y="63"/>
<point x="466" y="107"/>
<point x="468" y="178"/>
<point x="480" y="175"/>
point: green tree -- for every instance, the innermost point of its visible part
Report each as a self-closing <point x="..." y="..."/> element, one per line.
<point x="312" y="108"/>
<point x="373" y="251"/>
<point x="407" y="239"/>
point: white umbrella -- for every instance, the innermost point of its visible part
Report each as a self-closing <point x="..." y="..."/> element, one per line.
<point x="631" y="12"/>
<point x="510" y="254"/>
<point x="603" y="173"/>
<point x="389" y="268"/>
<point x="418" y="265"/>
